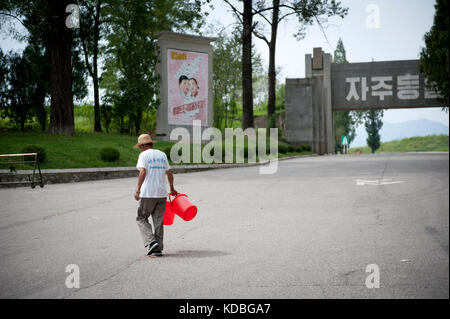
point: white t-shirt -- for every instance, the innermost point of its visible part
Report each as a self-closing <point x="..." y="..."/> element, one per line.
<point x="155" y="163"/>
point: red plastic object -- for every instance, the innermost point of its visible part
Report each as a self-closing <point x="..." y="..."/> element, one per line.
<point x="169" y="215"/>
<point x="183" y="207"/>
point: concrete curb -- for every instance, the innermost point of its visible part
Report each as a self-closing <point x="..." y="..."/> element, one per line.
<point x="72" y="175"/>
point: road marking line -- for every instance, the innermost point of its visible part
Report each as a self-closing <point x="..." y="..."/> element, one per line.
<point x="376" y="182"/>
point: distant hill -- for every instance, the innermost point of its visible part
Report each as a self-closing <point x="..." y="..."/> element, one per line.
<point x="397" y="131"/>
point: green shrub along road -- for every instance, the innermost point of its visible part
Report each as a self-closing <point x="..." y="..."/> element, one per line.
<point x="432" y="143"/>
<point x="83" y="150"/>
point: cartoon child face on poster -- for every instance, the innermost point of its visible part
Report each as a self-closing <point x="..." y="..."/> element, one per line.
<point x="188" y="87"/>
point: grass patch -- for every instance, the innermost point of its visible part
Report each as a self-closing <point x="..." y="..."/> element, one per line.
<point x="78" y="151"/>
<point x="82" y="150"/>
<point x="431" y="143"/>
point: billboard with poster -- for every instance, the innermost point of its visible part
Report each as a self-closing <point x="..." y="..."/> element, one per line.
<point x="187" y="87"/>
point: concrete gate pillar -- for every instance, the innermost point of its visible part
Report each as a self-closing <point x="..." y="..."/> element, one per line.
<point x="308" y="112"/>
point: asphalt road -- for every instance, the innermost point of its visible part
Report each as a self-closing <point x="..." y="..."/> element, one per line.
<point x="308" y="231"/>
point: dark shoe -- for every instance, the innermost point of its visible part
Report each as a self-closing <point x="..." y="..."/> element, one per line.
<point x="152" y="247"/>
<point x="156" y="253"/>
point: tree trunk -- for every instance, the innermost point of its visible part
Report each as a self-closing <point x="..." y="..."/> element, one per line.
<point x="61" y="96"/>
<point x="272" y="75"/>
<point x="97" y="118"/>
<point x="226" y="114"/>
<point x="104" y="109"/>
<point x="22" y="123"/>
<point x="247" y="86"/>
<point x="137" y="121"/>
<point x="97" y="121"/>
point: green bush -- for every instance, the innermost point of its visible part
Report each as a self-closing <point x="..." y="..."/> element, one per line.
<point x="35" y="149"/>
<point x="109" y="154"/>
<point x="298" y="148"/>
<point x="303" y="148"/>
<point x="282" y="148"/>
<point x="291" y="148"/>
<point x="306" y="147"/>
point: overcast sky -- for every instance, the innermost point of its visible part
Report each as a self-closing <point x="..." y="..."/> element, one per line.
<point x="399" y="36"/>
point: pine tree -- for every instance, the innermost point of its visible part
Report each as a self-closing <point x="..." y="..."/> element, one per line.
<point x="373" y="124"/>
<point x="345" y="122"/>
<point x="339" y="53"/>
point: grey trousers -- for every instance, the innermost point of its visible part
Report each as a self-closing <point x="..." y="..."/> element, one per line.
<point x="154" y="207"/>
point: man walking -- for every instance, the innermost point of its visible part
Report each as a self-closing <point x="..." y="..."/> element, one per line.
<point x="151" y="190"/>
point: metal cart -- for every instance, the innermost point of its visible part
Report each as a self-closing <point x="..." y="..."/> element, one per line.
<point x="27" y="158"/>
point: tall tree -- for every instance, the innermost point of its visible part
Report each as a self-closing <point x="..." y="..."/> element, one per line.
<point x="247" y="70"/>
<point x="111" y="88"/>
<point x="3" y="80"/>
<point x="18" y="98"/>
<point x="134" y="53"/>
<point x="45" y="23"/>
<point x="373" y="124"/>
<point x="340" y="54"/>
<point x="226" y="77"/>
<point x="89" y="33"/>
<point x="245" y="17"/>
<point x="61" y="95"/>
<point x="345" y="122"/>
<point x="25" y="89"/>
<point x="131" y="51"/>
<point x="307" y="12"/>
<point x="434" y="58"/>
<point x="28" y="75"/>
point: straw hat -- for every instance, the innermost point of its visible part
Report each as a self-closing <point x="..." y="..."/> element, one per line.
<point x="143" y="139"/>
